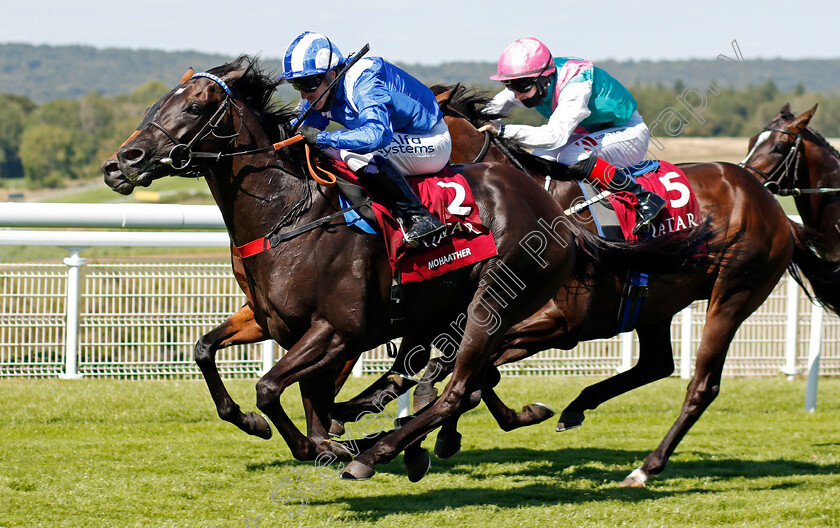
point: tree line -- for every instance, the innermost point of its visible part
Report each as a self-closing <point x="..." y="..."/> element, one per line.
<point x="49" y="144"/>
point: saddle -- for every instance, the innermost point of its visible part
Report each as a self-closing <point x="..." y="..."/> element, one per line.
<point x="614" y="217"/>
<point x="448" y="196"/>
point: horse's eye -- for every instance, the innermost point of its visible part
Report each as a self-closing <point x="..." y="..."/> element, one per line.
<point x="194" y="108"/>
<point x="779" y="149"/>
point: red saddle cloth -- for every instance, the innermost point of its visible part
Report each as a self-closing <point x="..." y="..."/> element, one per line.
<point x="448" y="196"/>
<point x="680" y="212"/>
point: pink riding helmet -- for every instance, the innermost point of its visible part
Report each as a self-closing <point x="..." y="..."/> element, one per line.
<point x="526" y="57"/>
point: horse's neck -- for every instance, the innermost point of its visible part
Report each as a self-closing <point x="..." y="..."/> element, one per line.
<point x="257" y="194"/>
<point x="820" y="211"/>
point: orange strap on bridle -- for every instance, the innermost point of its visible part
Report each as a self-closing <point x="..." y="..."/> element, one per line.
<point x="331" y="178"/>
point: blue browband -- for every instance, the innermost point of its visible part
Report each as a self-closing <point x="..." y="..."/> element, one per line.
<point x="213" y="78"/>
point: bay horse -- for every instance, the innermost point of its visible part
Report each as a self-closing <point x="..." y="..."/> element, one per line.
<point x="323" y="291"/>
<point x="792" y="159"/>
<point x="754" y="243"/>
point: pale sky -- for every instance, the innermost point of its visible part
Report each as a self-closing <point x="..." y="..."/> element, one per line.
<point x="433" y="31"/>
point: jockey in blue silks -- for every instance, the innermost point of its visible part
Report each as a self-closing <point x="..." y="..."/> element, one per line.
<point x="593" y="126"/>
<point x="393" y="126"/>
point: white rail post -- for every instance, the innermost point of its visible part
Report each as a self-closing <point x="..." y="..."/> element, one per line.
<point x="267" y="347"/>
<point x="71" y="333"/>
<point x="626" y="352"/>
<point x="403" y="404"/>
<point x="814" y="348"/>
<point x="789" y="367"/>
<point x="686" y="322"/>
<point x="357" y="368"/>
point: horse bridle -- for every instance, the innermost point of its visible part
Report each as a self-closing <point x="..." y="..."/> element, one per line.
<point x="773" y="179"/>
<point x="181" y="154"/>
<point x="273" y="238"/>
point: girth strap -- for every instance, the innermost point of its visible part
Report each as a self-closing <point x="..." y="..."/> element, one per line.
<point x="273" y="240"/>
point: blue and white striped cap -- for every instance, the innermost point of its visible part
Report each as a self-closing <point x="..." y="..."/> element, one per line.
<point x="310" y="54"/>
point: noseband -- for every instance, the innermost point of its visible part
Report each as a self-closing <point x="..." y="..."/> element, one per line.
<point x="773" y="179"/>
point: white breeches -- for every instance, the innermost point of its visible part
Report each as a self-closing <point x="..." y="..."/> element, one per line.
<point x="623" y="146"/>
<point x="411" y="154"/>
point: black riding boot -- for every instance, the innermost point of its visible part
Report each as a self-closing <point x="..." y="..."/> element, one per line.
<point x="388" y="186"/>
<point x="598" y="171"/>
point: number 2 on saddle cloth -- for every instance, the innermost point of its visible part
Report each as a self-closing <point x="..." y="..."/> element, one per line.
<point x="448" y="196"/>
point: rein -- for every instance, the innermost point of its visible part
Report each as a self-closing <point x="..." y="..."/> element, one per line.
<point x="486" y="147"/>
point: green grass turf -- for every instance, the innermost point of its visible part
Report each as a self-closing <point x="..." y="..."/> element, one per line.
<point x="153" y="453"/>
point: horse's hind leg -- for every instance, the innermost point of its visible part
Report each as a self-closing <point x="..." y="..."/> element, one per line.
<point x="449" y="439"/>
<point x="392" y="384"/>
<point x="239" y="329"/>
<point x="656" y="361"/>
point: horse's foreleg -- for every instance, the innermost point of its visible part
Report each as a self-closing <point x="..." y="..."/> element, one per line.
<point x="721" y="325"/>
<point x="656" y="361"/>
<point x="239" y="329"/>
<point x="318" y="352"/>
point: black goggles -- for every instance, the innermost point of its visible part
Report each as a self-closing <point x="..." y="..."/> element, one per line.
<point x="308" y="84"/>
<point x="520" y="85"/>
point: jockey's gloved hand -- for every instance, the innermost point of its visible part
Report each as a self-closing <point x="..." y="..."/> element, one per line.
<point x="489" y="127"/>
<point x="309" y="133"/>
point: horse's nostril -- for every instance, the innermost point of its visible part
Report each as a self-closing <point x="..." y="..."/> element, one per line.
<point x="133" y="155"/>
<point x="109" y="166"/>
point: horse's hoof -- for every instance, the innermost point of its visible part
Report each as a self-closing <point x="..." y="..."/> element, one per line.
<point x="258" y="425"/>
<point x="636" y="479"/>
<point x="539" y="412"/>
<point x="569" y="420"/>
<point x="336" y="428"/>
<point x="357" y="471"/>
<point x="417" y="464"/>
<point x="448" y="444"/>
<point x="338" y="449"/>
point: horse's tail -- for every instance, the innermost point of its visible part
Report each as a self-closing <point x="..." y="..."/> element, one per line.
<point x="673" y="253"/>
<point x="823" y="276"/>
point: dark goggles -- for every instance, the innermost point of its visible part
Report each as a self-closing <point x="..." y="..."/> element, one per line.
<point x="308" y="84"/>
<point x="522" y="85"/>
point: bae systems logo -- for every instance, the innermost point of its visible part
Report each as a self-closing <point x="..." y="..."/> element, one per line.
<point x="404" y="144"/>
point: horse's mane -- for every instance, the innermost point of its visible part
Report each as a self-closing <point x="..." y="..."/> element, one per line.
<point x="256" y="88"/>
<point x="824" y="142"/>
<point x="785" y="117"/>
<point x="470" y="103"/>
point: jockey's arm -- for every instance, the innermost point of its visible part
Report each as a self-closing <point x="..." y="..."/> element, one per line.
<point x="501" y="104"/>
<point x="572" y="108"/>
<point x="374" y="129"/>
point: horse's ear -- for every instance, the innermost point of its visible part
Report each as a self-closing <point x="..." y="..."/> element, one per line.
<point x="802" y="121"/>
<point x="785" y="109"/>
<point x="234" y="75"/>
<point x="187" y="75"/>
<point x="444" y="97"/>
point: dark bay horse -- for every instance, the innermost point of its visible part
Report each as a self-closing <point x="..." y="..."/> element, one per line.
<point x="323" y="293"/>
<point x="753" y="245"/>
<point x="792" y="159"/>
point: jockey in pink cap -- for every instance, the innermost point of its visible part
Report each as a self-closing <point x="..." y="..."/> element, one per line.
<point x="593" y="125"/>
